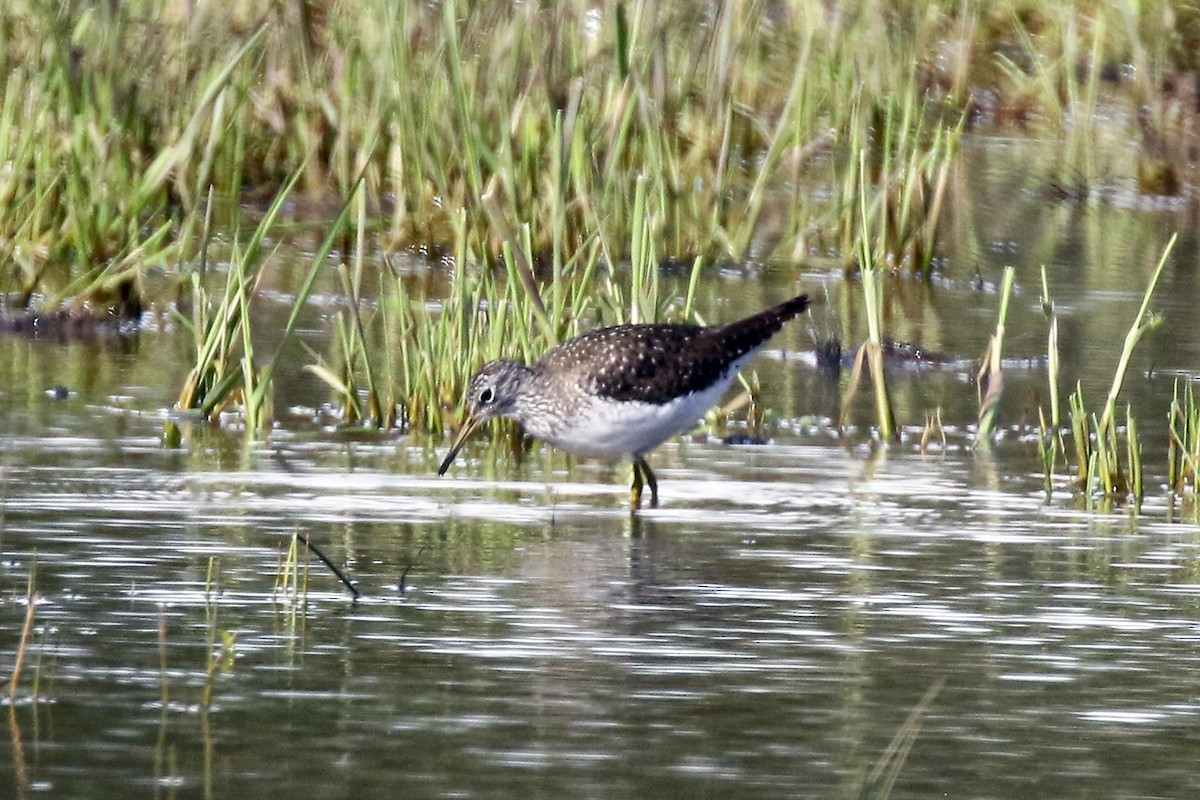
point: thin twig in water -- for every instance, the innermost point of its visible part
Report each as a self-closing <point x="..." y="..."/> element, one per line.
<point x="411" y="564"/>
<point x="325" y="560"/>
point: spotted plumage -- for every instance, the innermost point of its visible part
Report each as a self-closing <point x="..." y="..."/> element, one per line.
<point x="619" y="392"/>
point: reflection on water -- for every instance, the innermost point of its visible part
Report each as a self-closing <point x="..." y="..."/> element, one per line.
<point x="766" y="633"/>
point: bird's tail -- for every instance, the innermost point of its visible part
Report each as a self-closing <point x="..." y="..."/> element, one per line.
<point x="753" y="331"/>
<point x="789" y="308"/>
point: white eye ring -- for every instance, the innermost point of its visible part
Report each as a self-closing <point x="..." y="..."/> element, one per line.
<point x="486" y="396"/>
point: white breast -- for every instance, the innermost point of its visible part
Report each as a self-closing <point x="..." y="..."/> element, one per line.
<point x="611" y="429"/>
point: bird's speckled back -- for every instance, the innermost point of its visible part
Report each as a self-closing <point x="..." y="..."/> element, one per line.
<point x="657" y="363"/>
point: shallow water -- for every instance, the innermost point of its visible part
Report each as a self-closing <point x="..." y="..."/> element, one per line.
<point x="790" y="612"/>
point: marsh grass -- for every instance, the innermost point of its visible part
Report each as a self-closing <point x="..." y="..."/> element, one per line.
<point x="933" y="426"/>
<point x="1183" y="448"/>
<point x="291" y="581"/>
<point x="106" y="161"/>
<point x="539" y="129"/>
<point x="220" y="328"/>
<point x="356" y="388"/>
<point x="869" y="355"/>
<point x="288" y="577"/>
<point x="226" y="371"/>
<point x="1051" y="443"/>
<point x="219" y="643"/>
<point x="892" y="193"/>
<point x="1099" y="466"/>
<point x="894" y="185"/>
<point x="991" y="372"/>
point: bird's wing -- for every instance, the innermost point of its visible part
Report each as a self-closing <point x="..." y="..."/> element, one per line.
<point x="648" y="363"/>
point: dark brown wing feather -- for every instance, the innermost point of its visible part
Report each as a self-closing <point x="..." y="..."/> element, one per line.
<point x="656" y="363"/>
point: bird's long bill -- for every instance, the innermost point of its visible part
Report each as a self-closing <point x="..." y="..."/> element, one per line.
<point x="466" y="430"/>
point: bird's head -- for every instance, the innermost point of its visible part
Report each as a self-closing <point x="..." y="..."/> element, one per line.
<point x="492" y="393"/>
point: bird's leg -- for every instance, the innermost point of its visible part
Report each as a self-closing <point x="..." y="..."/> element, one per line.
<point x="653" y="481"/>
<point x="635" y="491"/>
<point x="650" y="479"/>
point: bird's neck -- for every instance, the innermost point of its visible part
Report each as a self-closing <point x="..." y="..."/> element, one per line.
<point x="535" y="406"/>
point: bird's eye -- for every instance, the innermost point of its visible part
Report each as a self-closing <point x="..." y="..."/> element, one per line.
<point x="486" y="396"/>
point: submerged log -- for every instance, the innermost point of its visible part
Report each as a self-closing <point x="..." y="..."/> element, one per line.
<point x="70" y="324"/>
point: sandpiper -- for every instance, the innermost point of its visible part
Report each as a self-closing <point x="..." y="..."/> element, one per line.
<point x="617" y="393"/>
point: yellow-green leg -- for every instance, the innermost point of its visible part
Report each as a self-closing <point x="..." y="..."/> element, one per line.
<point x="635" y="491"/>
<point x="642" y="476"/>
